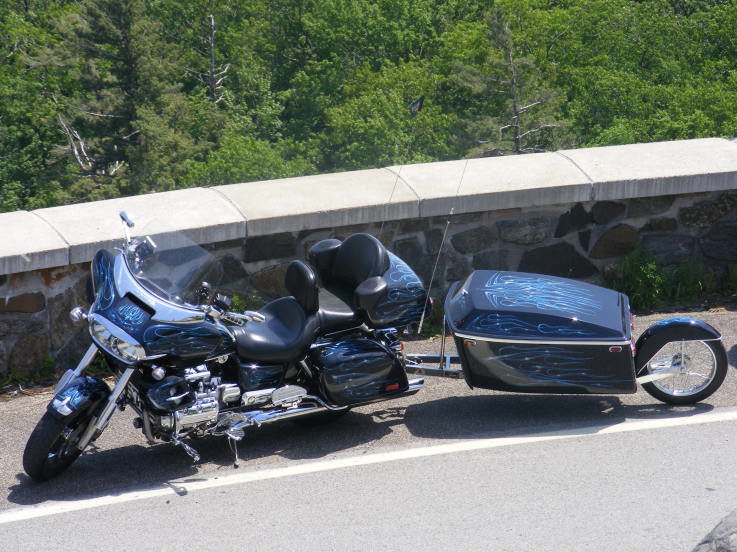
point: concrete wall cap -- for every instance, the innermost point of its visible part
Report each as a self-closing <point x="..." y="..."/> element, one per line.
<point x="203" y="214"/>
<point x="496" y="183"/>
<point x="322" y="201"/>
<point x="659" y="168"/>
<point x="29" y="243"/>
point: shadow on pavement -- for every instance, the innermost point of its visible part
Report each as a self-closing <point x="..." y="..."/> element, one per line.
<point x="124" y="469"/>
<point x="484" y="416"/>
<point x="134" y="467"/>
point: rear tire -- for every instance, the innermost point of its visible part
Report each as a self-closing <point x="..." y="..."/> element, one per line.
<point x="702" y="368"/>
<point x="51" y="448"/>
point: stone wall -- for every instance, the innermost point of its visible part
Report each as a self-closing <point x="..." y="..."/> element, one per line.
<point x="560" y="213"/>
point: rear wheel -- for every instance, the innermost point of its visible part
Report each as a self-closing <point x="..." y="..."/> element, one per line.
<point x="51" y="448"/>
<point x="691" y="370"/>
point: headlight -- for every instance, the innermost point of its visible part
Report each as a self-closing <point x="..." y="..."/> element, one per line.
<point x="115" y="341"/>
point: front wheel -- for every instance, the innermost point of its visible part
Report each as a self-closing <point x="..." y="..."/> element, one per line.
<point x="51" y="448"/>
<point x="692" y="371"/>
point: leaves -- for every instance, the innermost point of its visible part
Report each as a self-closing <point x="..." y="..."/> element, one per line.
<point x="136" y="87"/>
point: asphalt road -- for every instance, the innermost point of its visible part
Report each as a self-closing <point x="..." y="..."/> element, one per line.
<point x="643" y="488"/>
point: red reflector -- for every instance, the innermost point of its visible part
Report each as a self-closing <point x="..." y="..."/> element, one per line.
<point x="615" y="349"/>
<point x="392" y="387"/>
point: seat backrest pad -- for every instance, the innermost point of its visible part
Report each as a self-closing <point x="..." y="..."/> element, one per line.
<point x="359" y="257"/>
<point x="301" y="282"/>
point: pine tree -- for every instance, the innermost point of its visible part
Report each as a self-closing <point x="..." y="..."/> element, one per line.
<point x="527" y="120"/>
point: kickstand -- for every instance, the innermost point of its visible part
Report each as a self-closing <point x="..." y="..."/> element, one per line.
<point x="234" y="447"/>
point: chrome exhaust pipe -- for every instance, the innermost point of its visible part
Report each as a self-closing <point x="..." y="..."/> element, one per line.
<point x="260" y="417"/>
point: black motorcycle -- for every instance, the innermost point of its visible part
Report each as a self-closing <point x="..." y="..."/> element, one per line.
<point x="191" y="367"/>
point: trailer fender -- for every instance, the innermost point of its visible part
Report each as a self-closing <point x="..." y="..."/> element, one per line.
<point x="671" y="329"/>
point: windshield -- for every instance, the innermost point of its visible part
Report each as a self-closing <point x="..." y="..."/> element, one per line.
<point x="170" y="264"/>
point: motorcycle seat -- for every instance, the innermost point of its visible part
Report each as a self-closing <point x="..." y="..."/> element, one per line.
<point x="284" y="335"/>
<point x="343" y="267"/>
<point x="336" y="312"/>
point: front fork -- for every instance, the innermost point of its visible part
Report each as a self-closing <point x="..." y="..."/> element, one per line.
<point x="99" y="422"/>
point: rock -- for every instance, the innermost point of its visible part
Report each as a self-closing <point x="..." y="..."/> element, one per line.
<point x="270" y="281"/>
<point x="663" y="224"/>
<point x="720" y="243"/>
<point x="413" y="225"/>
<point x="457" y="269"/>
<point x="560" y="259"/>
<point x="23" y="324"/>
<point x="704" y="213"/>
<point x="723" y="538"/>
<point x="62" y="329"/>
<point x="412" y="253"/>
<point x="534" y="229"/>
<point x="275" y="246"/>
<point x="584" y="239"/>
<point x="27" y="302"/>
<point x="604" y="212"/>
<point x="615" y="242"/>
<point x="233" y="275"/>
<point x="3" y="359"/>
<point x="647" y="206"/>
<point x="68" y="356"/>
<point x="668" y="248"/>
<point x="491" y="260"/>
<point x="473" y="240"/>
<point x="574" y="219"/>
<point x="28" y="354"/>
<point x="433" y="239"/>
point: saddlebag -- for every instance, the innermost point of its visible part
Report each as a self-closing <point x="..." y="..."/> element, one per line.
<point x="354" y="371"/>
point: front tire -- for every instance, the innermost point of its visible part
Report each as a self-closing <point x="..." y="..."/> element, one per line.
<point x="51" y="448"/>
<point x="698" y="369"/>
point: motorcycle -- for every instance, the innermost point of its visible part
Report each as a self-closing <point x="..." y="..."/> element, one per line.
<point x="189" y="366"/>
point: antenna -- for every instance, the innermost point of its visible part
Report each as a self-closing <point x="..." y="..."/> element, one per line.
<point x="440" y="249"/>
<point x="391" y="196"/>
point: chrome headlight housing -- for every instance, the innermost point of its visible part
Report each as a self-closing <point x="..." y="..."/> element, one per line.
<point x="115" y="341"/>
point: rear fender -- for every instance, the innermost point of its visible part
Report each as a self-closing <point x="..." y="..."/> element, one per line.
<point x="671" y="329"/>
<point x="79" y="395"/>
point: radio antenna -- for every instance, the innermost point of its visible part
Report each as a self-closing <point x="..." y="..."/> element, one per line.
<point x="440" y="249"/>
<point x="388" y="203"/>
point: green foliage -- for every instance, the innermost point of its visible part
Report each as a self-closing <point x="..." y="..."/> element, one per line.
<point x="649" y="284"/>
<point x="642" y="279"/>
<point x="249" y="300"/>
<point x="102" y="98"/>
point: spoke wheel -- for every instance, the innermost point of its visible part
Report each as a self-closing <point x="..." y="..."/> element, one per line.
<point x="693" y="370"/>
<point x="51" y="448"/>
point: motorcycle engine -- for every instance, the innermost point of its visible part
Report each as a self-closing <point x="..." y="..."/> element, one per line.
<point x="195" y="398"/>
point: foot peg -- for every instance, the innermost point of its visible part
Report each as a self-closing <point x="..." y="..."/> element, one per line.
<point x="189" y="450"/>
<point x="288" y="394"/>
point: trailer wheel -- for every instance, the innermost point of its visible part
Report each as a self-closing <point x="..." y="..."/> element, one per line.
<point x="694" y="370"/>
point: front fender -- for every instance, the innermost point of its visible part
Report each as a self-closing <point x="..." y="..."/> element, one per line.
<point x="79" y="395"/>
<point x="671" y="329"/>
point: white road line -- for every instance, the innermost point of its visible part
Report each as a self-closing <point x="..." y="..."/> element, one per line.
<point x="176" y="487"/>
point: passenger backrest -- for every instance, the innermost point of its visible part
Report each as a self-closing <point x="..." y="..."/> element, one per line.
<point x="359" y="257"/>
<point x="301" y="282"/>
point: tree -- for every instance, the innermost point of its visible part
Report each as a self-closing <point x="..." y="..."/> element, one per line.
<point x="509" y="78"/>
